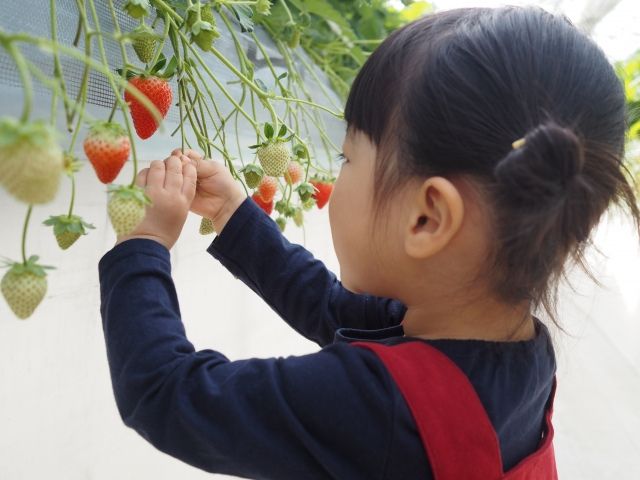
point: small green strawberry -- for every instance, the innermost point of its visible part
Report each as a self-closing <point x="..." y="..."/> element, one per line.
<point x="145" y="42"/>
<point x="137" y="8"/>
<point x="309" y="204"/>
<point x="274" y="154"/>
<point x="294" y="39"/>
<point x="252" y="175"/>
<point x="282" y="223"/>
<point x="67" y="229"/>
<point x="204" y="34"/>
<point x="298" y="217"/>
<point x="31" y="161"/>
<point x="305" y="191"/>
<point x="126" y="208"/>
<point x="24" y="286"/>
<point x="206" y="226"/>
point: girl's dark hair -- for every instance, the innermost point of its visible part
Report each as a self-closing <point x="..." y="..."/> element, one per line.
<point x="448" y="94"/>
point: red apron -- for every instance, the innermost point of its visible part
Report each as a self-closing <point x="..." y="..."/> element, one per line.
<point x="456" y="432"/>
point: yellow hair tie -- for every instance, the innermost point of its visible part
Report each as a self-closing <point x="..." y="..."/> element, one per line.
<point x="518" y="143"/>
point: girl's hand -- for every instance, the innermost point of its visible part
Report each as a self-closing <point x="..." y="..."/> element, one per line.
<point x="218" y="195"/>
<point x="171" y="186"/>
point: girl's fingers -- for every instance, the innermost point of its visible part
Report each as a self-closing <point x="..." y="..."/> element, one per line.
<point x="141" y="178"/>
<point x="190" y="179"/>
<point x="173" y="177"/>
<point x="155" y="177"/>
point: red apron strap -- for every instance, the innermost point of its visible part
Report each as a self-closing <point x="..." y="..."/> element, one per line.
<point x="456" y="431"/>
<point x="541" y="464"/>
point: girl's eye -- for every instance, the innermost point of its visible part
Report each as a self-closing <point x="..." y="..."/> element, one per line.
<point x="341" y="158"/>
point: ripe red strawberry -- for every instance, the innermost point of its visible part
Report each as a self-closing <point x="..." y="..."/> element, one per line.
<point x="31" y="162"/>
<point x="24" y="286"/>
<point x="267" y="188"/>
<point x="323" y="191"/>
<point x="266" y="206"/>
<point x="107" y="147"/>
<point x="293" y="174"/>
<point x="159" y="93"/>
<point x="126" y="208"/>
<point x="67" y="229"/>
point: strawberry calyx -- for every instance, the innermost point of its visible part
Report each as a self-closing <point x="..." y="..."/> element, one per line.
<point x="270" y="138"/>
<point x="252" y="175"/>
<point x="137" y="8"/>
<point x="129" y="192"/>
<point x="107" y="131"/>
<point x="37" y="133"/>
<point x="161" y="69"/>
<point x="203" y="34"/>
<point x="305" y="191"/>
<point x="322" y="179"/>
<point x="64" y="223"/>
<point x="300" y="151"/>
<point x="71" y="164"/>
<point x="30" y="266"/>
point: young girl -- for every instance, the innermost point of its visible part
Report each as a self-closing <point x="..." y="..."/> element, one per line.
<point x="482" y="147"/>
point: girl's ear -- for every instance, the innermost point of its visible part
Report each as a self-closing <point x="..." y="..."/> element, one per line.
<point x="435" y="217"/>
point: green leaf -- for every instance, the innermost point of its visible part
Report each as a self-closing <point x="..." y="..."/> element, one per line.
<point x="244" y="15"/>
<point x="171" y="68"/>
<point x="268" y="130"/>
<point x="162" y="60"/>
<point x="261" y="84"/>
<point x="282" y="75"/>
<point x="283" y="130"/>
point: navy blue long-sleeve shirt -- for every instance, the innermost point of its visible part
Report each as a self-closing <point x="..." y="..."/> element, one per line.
<point x="333" y="414"/>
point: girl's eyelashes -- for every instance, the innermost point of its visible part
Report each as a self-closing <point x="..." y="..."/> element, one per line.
<point x="341" y="158"/>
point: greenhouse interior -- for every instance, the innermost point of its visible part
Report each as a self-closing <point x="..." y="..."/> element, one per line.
<point x="395" y="178"/>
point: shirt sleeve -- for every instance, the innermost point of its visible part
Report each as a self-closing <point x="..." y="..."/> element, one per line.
<point x="324" y="415"/>
<point x="294" y="284"/>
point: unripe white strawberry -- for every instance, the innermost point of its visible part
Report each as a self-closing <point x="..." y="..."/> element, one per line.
<point x="24" y="286"/>
<point x="31" y="161"/>
<point x="126" y="208"/>
<point x="206" y="226"/>
<point x="274" y="158"/>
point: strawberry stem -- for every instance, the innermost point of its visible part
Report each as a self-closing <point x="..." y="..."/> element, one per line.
<point x="57" y="67"/>
<point x="24" y="234"/>
<point x="73" y="195"/>
<point x="25" y="77"/>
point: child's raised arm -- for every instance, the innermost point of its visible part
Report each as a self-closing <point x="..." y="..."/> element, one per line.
<point x="296" y="285"/>
<point x="324" y="415"/>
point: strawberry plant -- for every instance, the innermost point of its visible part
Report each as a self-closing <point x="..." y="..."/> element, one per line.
<point x="165" y="52"/>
